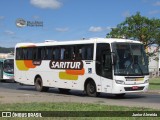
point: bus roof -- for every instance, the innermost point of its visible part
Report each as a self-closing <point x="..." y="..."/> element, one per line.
<point x="86" y="41"/>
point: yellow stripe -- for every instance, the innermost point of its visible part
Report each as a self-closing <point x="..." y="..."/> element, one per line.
<point x="65" y="76"/>
<point x="20" y="65"/>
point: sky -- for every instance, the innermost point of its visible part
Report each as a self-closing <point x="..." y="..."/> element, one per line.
<point x="67" y="19"/>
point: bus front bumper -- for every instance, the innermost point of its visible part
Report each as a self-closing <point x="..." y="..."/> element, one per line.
<point x="121" y="88"/>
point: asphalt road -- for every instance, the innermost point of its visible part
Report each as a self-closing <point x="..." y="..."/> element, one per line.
<point x="13" y="93"/>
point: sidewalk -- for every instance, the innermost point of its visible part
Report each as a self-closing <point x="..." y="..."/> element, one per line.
<point x="153" y="91"/>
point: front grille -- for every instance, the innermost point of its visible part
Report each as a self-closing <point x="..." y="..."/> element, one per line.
<point x="131" y="89"/>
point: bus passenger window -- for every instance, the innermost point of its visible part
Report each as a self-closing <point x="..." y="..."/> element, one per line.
<point x="62" y="54"/>
<point x="34" y="53"/>
<point x="18" y="53"/>
<point x="25" y="54"/>
<point x="89" y="53"/>
<point x="48" y="53"/>
<point x="30" y="53"/>
<point x="56" y="54"/>
<point x="79" y="55"/>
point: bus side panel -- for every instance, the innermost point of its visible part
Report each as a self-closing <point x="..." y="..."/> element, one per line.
<point x="106" y="85"/>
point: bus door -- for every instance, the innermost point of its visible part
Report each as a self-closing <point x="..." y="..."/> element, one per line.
<point x="104" y="66"/>
<point x="1" y="70"/>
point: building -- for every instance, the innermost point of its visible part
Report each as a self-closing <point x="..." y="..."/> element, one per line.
<point x="154" y="63"/>
<point x="6" y="55"/>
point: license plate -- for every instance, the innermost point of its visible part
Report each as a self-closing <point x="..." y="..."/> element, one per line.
<point x="134" y="87"/>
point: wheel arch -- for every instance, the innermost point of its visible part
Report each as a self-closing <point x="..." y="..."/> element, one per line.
<point x="87" y="80"/>
<point x="37" y="77"/>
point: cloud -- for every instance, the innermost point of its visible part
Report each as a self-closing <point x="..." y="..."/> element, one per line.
<point x="95" y="29"/>
<point x="126" y="14"/>
<point x="51" y="4"/>
<point x="99" y="29"/>
<point x="154" y="12"/>
<point x="157" y="3"/>
<point x="109" y="28"/>
<point x="62" y="29"/>
<point x="8" y="32"/>
<point x="35" y="17"/>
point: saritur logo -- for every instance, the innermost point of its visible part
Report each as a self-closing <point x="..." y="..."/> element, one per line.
<point x="20" y="22"/>
<point x="65" y="64"/>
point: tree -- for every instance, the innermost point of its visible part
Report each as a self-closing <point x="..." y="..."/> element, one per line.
<point x="140" y="28"/>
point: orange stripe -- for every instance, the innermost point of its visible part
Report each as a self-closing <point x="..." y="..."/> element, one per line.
<point x="75" y="72"/>
<point x="29" y="64"/>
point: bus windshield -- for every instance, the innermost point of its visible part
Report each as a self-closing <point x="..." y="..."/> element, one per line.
<point x="8" y="66"/>
<point x="130" y="59"/>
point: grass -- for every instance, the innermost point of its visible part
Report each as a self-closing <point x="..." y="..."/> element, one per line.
<point x="66" y="107"/>
<point x="154" y="84"/>
<point x="113" y="112"/>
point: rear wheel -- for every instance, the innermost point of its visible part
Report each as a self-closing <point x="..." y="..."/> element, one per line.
<point x="91" y="89"/>
<point x="39" y="85"/>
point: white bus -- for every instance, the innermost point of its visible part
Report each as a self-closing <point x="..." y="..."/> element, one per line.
<point x="115" y="66"/>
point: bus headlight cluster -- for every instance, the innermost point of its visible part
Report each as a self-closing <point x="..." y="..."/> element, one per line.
<point x="119" y="81"/>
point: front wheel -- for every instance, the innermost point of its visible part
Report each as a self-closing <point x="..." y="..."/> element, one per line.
<point x="91" y="89"/>
<point x="39" y="85"/>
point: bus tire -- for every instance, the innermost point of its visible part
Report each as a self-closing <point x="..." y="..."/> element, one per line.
<point x="64" y="91"/>
<point x="91" y="89"/>
<point x="39" y="85"/>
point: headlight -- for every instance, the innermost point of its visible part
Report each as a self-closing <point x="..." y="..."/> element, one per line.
<point x="119" y="81"/>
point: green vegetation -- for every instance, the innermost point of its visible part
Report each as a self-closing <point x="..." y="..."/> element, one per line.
<point x="6" y="50"/>
<point x="66" y="107"/>
<point x="78" y="108"/>
<point x="154" y="84"/>
<point x="140" y="28"/>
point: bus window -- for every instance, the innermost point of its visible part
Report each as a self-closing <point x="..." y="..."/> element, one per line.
<point x="8" y="66"/>
<point x="30" y="53"/>
<point x="56" y="54"/>
<point x="41" y="53"/>
<point x="34" y="53"/>
<point x="85" y="52"/>
<point x="19" y="54"/>
<point x="62" y="53"/>
<point x="72" y="53"/>
<point x="79" y="52"/>
<point x="25" y="54"/>
<point x="48" y="53"/>
<point x="89" y="53"/>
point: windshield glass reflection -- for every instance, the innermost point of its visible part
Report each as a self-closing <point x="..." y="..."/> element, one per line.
<point x="130" y="59"/>
<point x="8" y="66"/>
